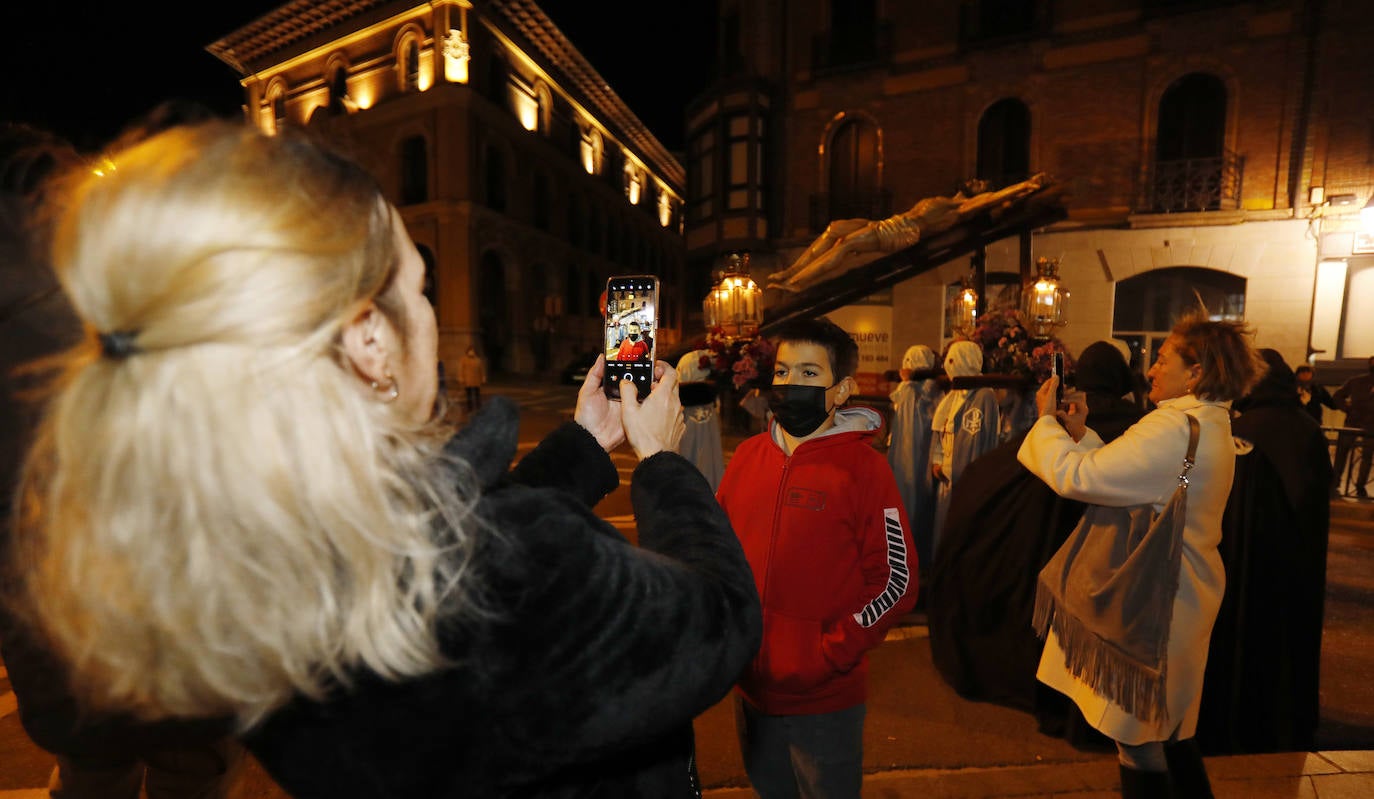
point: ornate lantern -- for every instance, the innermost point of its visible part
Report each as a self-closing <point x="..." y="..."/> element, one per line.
<point x="1047" y="300"/>
<point x="963" y="309"/>
<point x="733" y="301"/>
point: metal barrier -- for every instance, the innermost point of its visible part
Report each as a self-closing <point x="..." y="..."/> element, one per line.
<point x="1354" y="449"/>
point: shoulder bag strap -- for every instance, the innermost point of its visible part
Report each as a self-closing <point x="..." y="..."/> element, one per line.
<point x="1188" y="460"/>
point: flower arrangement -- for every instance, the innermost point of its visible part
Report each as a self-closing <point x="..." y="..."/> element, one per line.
<point x="1008" y="347"/>
<point x="745" y="362"/>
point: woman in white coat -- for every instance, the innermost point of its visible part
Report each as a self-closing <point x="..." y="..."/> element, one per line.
<point x="1202" y="367"/>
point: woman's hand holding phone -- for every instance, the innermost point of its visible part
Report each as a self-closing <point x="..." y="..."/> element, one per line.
<point x="657" y="423"/>
<point x="595" y="412"/>
<point x="1074" y="412"/>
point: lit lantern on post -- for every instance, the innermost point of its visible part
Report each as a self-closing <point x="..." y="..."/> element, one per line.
<point x="1047" y="300"/>
<point x="733" y="302"/>
<point x="963" y="310"/>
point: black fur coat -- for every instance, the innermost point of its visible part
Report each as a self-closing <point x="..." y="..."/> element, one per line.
<point x="588" y="683"/>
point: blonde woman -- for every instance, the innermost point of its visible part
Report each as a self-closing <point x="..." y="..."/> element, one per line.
<point x="238" y="506"/>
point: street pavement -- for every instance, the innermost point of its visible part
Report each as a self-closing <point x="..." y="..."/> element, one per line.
<point x="922" y="739"/>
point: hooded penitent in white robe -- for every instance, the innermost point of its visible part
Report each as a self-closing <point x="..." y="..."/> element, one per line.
<point x="701" y="442"/>
<point x="965" y="425"/>
<point x="908" y="447"/>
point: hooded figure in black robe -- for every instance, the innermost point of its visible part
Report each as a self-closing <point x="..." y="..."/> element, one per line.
<point x="1003" y="525"/>
<point x="1260" y="689"/>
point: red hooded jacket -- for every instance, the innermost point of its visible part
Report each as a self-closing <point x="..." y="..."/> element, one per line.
<point x="826" y="534"/>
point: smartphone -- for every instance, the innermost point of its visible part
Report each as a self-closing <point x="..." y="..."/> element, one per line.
<point x="631" y="327"/>
<point x="1057" y="365"/>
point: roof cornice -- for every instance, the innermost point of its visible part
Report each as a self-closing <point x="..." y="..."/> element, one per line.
<point x="560" y="53"/>
<point x="284" y="26"/>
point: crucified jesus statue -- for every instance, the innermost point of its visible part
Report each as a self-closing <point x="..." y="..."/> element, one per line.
<point x="830" y="254"/>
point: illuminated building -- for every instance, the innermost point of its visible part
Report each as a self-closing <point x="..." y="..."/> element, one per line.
<point x="524" y="180"/>
<point x="1223" y="148"/>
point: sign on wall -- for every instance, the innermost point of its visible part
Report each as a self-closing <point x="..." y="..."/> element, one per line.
<point x="869" y="322"/>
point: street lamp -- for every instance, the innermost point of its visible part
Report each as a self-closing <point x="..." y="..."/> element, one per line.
<point x="732" y="304"/>
<point x="1047" y="301"/>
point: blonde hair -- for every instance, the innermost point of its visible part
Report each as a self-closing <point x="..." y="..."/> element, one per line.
<point x="222" y="518"/>
<point x="1224" y="350"/>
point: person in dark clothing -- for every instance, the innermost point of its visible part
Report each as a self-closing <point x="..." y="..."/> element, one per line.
<point x="239" y="508"/>
<point x="1260" y="689"/>
<point x="102" y="756"/>
<point x="1356" y="398"/>
<point x="1311" y="394"/>
<point x="1004" y="524"/>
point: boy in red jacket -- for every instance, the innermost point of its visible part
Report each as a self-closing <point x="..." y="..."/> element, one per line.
<point x="818" y="512"/>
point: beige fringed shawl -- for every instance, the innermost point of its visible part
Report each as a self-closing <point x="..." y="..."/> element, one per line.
<point x="1108" y="595"/>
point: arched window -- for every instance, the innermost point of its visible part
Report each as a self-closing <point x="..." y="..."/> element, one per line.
<point x="543" y="202"/>
<point x="496" y="179"/>
<point x="412" y="66"/>
<point x="498" y="81"/>
<point x="595" y="285"/>
<point x="853" y="178"/>
<point x="431" y="275"/>
<point x="853" y="33"/>
<point x="1148" y="305"/>
<point x="592" y="151"/>
<point x="576" y="224"/>
<point x="414" y="170"/>
<point x="276" y="104"/>
<point x="1192" y="118"/>
<point x="992" y="20"/>
<point x="1192" y="171"/>
<point x="338" y="90"/>
<point x="571" y="294"/>
<point x="493" y="314"/>
<point x="544" y="98"/>
<point x="1004" y="143"/>
<point x="594" y="230"/>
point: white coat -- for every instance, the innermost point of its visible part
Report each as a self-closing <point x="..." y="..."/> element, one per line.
<point x="1142" y="466"/>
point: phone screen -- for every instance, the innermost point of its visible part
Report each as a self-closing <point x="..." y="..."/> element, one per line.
<point x="631" y="326"/>
<point x="1057" y="359"/>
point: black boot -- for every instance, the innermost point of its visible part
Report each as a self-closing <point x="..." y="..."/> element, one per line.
<point x="1136" y="784"/>
<point x="1186" y="770"/>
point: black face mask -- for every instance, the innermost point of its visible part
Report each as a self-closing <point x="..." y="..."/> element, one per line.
<point x="799" y="409"/>
<point x="634" y="337"/>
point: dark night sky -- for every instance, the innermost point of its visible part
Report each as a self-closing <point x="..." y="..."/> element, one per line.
<point x="70" y="68"/>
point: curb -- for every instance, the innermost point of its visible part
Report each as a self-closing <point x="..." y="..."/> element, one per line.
<point x="1294" y="774"/>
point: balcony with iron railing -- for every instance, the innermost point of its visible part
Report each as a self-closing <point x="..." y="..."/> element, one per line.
<point x="1193" y="184"/>
<point x="825" y="208"/>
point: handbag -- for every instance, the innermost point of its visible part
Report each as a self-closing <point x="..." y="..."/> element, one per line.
<point x="1108" y="595"/>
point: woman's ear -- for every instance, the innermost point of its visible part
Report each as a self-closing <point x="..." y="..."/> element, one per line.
<point x="367" y="343"/>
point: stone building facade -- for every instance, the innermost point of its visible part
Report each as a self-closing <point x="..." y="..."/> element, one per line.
<point x="1218" y="150"/>
<point x="524" y="180"/>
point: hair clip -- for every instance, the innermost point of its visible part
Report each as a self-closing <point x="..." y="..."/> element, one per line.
<point x="118" y="344"/>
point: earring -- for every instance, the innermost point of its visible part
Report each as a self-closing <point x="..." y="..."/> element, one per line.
<point x="393" y="390"/>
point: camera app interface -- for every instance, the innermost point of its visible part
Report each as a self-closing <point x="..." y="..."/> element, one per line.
<point x="630" y="317"/>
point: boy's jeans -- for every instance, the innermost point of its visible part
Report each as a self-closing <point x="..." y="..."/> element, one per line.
<point x="802" y="757"/>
